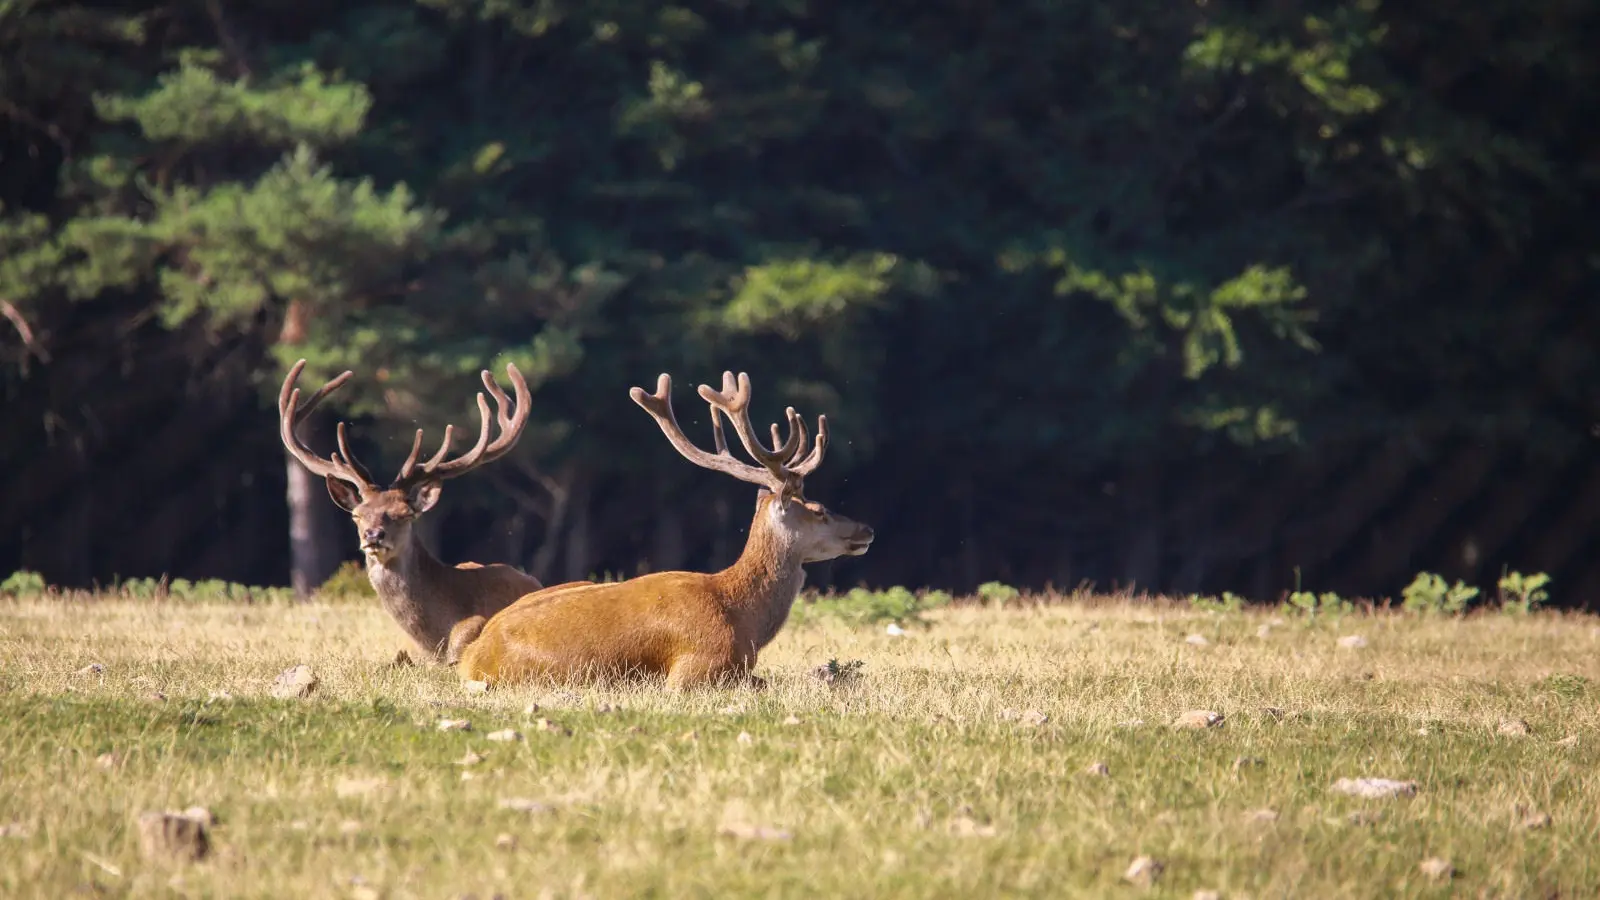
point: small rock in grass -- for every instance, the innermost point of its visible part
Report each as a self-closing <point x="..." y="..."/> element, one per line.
<point x="156" y="697"/>
<point x="1570" y="740"/>
<point x="504" y="736"/>
<point x="1098" y="769"/>
<point x="1027" y="717"/>
<point x="356" y="787"/>
<point x="1352" y="642"/>
<point x="454" y="725"/>
<point x="1143" y="871"/>
<point x="1198" y="718"/>
<point x="108" y="761"/>
<point x="469" y="759"/>
<point x="1130" y="723"/>
<point x="349" y="827"/>
<point x="754" y="832"/>
<point x="173" y="837"/>
<point x="689" y="737"/>
<point x="1261" y="816"/>
<point x="1363" y="817"/>
<point x="295" y="683"/>
<point x="1513" y="727"/>
<point x="551" y="726"/>
<point x="200" y="814"/>
<point x="1204" y="894"/>
<point x="525" y="805"/>
<point x="475" y="687"/>
<point x="1536" y="820"/>
<point x="1437" y="868"/>
<point x="91" y="669"/>
<point x="1247" y="762"/>
<point x="1265" y="631"/>
<point x="1197" y="640"/>
<point x="964" y="825"/>
<point x="1375" y="788"/>
<point x="745" y="738"/>
<point x="503" y="841"/>
<point x="530" y="709"/>
<point x="15" y="830"/>
<point x="893" y="629"/>
<point x="792" y="720"/>
<point x="364" y="892"/>
<point x="219" y="697"/>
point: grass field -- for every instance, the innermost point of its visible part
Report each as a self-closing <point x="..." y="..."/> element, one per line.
<point x="929" y="774"/>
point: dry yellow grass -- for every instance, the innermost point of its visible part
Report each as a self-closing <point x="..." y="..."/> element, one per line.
<point x="925" y="776"/>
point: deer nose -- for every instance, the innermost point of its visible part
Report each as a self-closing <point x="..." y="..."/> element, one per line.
<point x="865" y="531"/>
<point x="374" y="535"/>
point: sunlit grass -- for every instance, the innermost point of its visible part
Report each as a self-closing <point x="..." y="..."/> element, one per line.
<point x="924" y="776"/>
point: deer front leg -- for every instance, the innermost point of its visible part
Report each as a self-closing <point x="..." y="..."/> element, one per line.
<point x="464" y="633"/>
<point x="700" y="671"/>
<point x="690" y="672"/>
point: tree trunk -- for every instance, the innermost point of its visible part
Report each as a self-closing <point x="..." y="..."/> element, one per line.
<point x="1142" y="538"/>
<point x="312" y="553"/>
<point x="312" y="556"/>
<point x="578" y="556"/>
<point x="667" y="550"/>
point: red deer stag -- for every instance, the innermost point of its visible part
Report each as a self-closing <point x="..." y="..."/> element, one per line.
<point x="424" y="596"/>
<point x="694" y="628"/>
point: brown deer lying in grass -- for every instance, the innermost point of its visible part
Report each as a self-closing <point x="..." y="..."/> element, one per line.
<point x="423" y="595"/>
<point x="694" y="628"/>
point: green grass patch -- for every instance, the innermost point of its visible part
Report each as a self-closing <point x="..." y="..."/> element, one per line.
<point x="951" y="764"/>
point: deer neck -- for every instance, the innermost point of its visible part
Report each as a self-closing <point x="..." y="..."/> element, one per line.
<point x="404" y="585"/>
<point x="759" y="589"/>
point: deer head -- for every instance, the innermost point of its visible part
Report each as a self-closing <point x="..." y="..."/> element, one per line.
<point x="807" y="528"/>
<point x="384" y="515"/>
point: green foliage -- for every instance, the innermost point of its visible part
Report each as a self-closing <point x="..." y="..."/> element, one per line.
<point x="192" y="106"/>
<point x="208" y="590"/>
<point x="348" y="581"/>
<point x="1229" y="602"/>
<point x="860" y="606"/>
<point x="835" y="672"/>
<point x="1128" y="232"/>
<point x="1327" y="604"/>
<point x="788" y="297"/>
<point x="997" y="594"/>
<point x="1522" y="594"/>
<point x="23" y="583"/>
<point x="1430" y="594"/>
<point x="1566" y="685"/>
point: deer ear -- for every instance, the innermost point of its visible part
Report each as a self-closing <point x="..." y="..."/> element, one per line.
<point x="343" y="493"/>
<point x="424" y="496"/>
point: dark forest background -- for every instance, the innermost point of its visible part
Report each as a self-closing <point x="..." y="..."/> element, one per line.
<point x="1206" y="295"/>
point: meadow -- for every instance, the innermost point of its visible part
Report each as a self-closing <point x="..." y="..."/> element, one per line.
<point x="999" y="746"/>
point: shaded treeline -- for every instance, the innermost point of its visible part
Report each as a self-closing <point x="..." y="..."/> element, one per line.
<point x="1189" y="296"/>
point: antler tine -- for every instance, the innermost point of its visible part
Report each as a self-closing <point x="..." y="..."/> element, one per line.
<point x="310" y="402"/>
<point x="813" y="459"/>
<point x="350" y="458"/>
<point x="439" y="467"/>
<point x="291" y="412"/>
<point x="411" y="458"/>
<point x="797" y="423"/>
<point x="659" y="406"/>
<point x="511" y="415"/>
<point x="734" y="401"/>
